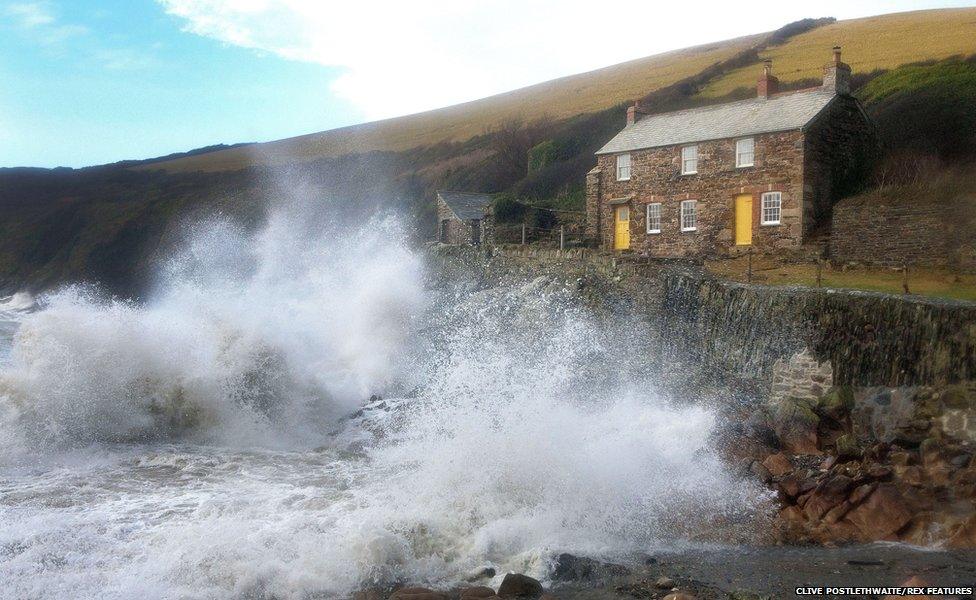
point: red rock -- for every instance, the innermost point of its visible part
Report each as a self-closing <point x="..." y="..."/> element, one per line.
<point x="965" y="476"/>
<point x="516" y="585"/>
<point x="477" y="592"/>
<point x="937" y="472"/>
<point x="882" y="514"/>
<point x="878" y="472"/>
<point x="827" y="495"/>
<point x="861" y="492"/>
<point x="417" y="593"/>
<point x="837" y="513"/>
<point x="838" y="532"/>
<point x="760" y="471"/>
<point x="911" y="475"/>
<point x="963" y="535"/>
<point x="795" y="484"/>
<point x="777" y="464"/>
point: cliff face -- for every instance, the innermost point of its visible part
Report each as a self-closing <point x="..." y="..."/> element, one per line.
<point x="858" y="409"/>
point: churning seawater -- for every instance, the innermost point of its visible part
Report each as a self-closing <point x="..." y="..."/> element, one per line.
<point x="220" y="441"/>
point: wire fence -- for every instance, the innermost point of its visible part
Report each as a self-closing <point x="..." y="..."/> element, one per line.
<point x="561" y="237"/>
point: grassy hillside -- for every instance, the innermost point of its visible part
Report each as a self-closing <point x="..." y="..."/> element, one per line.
<point x="111" y="224"/>
<point x="558" y="99"/>
<point x="870" y="44"/>
<point x="873" y="43"/>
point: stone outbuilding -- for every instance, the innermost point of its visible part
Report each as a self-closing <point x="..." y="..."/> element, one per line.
<point x="461" y="217"/>
<point x="760" y="173"/>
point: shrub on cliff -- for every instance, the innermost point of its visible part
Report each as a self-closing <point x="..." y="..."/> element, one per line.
<point x="927" y="109"/>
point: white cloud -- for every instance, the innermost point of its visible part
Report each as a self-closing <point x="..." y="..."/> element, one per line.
<point x="30" y="14"/>
<point x="403" y="56"/>
<point x="39" y="20"/>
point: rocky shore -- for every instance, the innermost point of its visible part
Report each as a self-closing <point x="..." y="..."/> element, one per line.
<point x="868" y="464"/>
<point x="716" y="573"/>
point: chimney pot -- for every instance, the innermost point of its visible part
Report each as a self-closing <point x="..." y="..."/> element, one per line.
<point x="635" y="112"/>
<point x="837" y="75"/>
<point x="767" y="85"/>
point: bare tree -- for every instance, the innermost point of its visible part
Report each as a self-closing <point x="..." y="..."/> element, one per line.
<point x="512" y="139"/>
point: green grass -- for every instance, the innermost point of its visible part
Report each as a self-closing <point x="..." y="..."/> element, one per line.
<point x="956" y="77"/>
<point x="870" y="44"/>
<point x="936" y="283"/>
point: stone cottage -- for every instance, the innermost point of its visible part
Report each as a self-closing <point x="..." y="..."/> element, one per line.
<point x="460" y="217"/>
<point x="763" y="172"/>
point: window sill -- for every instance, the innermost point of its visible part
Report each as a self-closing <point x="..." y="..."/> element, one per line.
<point x="745" y="166"/>
<point x="623" y="179"/>
<point x="771" y="224"/>
<point x="654" y="232"/>
<point x="689" y="173"/>
<point x="689" y="230"/>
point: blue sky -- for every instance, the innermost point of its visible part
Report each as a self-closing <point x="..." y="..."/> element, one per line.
<point x="90" y="82"/>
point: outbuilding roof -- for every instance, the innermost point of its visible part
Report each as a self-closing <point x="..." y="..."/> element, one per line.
<point x="466" y="205"/>
<point x="784" y="112"/>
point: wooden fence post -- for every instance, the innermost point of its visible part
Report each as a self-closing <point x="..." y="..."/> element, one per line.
<point x="904" y="278"/>
<point x="819" y="272"/>
<point x="562" y="237"/>
<point x="523" y="234"/>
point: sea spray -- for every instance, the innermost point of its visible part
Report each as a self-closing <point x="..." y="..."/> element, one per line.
<point x="514" y="424"/>
<point x="246" y="341"/>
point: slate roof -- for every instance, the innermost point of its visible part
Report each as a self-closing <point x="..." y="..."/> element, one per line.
<point x="785" y="112"/>
<point x="466" y="205"/>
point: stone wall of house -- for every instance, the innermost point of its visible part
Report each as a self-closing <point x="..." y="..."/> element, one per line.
<point x="593" y="187"/>
<point x="902" y="230"/>
<point x="450" y="229"/>
<point x="656" y="177"/>
<point x="840" y="148"/>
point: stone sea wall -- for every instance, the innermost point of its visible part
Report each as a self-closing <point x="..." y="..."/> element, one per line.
<point x="741" y="331"/>
<point x="869" y="339"/>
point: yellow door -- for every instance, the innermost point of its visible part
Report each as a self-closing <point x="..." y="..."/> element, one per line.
<point x="743" y="221"/>
<point x="621" y="229"/>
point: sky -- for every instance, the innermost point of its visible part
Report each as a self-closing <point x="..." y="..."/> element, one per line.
<point x="91" y="82"/>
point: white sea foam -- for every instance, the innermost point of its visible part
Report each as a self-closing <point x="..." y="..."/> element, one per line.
<point x="163" y="450"/>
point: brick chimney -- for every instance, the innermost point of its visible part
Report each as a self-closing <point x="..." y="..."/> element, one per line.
<point x="767" y="84"/>
<point x="837" y="75"/>
<point x="635" y="112"/>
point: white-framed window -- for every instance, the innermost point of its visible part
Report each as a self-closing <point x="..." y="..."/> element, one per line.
<point x="745" y="152"/>
<point x="772" y="208"/>
<point x="654" y="218"/>
<point x="623" y="167"/>
<point x="689" y="160"/>
<point x="689" y="215"/>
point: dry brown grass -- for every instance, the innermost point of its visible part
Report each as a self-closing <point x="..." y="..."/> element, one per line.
<point x="556" y="99"/>
<point x="882" y="42"/>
